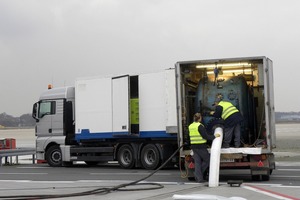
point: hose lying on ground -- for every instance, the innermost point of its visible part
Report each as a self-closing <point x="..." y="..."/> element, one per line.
<point x="104" y="190"/>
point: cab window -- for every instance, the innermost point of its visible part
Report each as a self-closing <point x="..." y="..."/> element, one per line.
<point x="46" y="108"/>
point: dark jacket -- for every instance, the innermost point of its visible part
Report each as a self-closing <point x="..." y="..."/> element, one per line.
<point x="202" y="131"/>
<point x="232" y="120"/>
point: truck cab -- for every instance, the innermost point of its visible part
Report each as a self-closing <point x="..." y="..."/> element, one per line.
<point x="55" y="123"/>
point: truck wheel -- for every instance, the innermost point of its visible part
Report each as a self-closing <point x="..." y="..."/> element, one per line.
<point x="125" y="157"/>
<point x="54" y="156"/>
<point x="150" y="157"/>
<point x="255" y="177"/>
<point x="67" y="164"/>
<point x="265" y="177"/>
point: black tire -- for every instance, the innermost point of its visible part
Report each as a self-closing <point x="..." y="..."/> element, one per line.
<point x="265" y="177"/>
<point x="126" y="157"/>
<point x="54" y="156"/>
<point x="67" y="164"/>
<point x="150" y="157"/>
<point x="255" y="177"/>
<point x="271" y="171"/>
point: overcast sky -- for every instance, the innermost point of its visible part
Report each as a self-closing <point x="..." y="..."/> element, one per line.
<point x="57" y="41"/>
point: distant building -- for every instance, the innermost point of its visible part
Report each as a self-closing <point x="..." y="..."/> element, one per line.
<point x="288" y="117"/>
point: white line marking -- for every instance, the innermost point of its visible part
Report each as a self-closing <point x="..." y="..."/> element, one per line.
<point x="34" y="167"/>
<point x="282" y="176"/>
<point x="23" y="173"/>
<point x="31" y="181"/>
<point x="18" y="181"/>
<point x="104" y="181"/>
<point x="116" y="174"/>
<point x="268" y="193"/>
<point x="295" y="170"/>
<point x="288" y="186"/>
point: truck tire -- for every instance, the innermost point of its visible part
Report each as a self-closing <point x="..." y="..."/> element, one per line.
<point x="255" y="177"/>
<point x="150" y="157"/>
<point x="262" y="177"/>
<point x="265" y="177"/>
<point x="126" y="157"/>
<point x="54" y="156"/>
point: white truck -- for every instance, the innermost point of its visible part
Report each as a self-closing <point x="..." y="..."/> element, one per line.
<point x="140" y="120"/>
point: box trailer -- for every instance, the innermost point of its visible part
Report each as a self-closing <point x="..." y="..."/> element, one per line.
<point x="131" y="119"/>
<point x="248" y="84"/>
<point x="140" y="120"/>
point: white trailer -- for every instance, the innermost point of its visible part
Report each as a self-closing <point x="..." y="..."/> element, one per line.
<point x="131" y="119"/>
<point x="248" y="84"/>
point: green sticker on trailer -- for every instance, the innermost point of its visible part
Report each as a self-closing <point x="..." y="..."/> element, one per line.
<point x="134" y="114"/>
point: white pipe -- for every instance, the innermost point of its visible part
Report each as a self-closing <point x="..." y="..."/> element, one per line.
<point x="215" y="154"/>
<point x="204" y="197"/>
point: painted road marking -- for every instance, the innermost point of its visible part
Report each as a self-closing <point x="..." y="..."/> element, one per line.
<point x="34" y="167"/>
<point x="9" y="173"/>
<point x="116" y="174"/>
<point x="268" y="192"/>
<point x="254" y="188"/>
<point x="31" y="181"/>
<point x="295" y="170"/>
<point x="284" y="176"/>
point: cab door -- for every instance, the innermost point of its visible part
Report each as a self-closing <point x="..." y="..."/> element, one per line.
<point x="58" y="118"/>
<point x="49" y="118"/>
<point x="45" y="109"/>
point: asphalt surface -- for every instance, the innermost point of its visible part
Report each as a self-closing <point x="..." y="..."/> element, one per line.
<point x="40" y="179"/>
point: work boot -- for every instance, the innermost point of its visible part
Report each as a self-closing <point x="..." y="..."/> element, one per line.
<point x="206" y="175"/>
<point x="200" y="181"/>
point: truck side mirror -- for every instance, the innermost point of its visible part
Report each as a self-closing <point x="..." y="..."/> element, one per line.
<point x="34" y="112"/>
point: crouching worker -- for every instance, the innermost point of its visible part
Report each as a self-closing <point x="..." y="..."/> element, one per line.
<point x="198" y="139"/>
<point x="232" y="118"/>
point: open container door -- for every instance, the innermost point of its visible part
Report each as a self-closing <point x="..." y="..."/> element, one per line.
<point x="269" y="102"/>
<point x="121" y="105"/>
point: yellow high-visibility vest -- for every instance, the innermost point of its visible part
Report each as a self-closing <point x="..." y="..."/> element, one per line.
<point x="195" y="136"/>
<point x="228" y="109"/>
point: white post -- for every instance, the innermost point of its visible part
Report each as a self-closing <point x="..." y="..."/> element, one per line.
<point x="215" y="154"/>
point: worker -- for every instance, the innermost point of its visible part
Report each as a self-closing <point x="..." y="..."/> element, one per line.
<point x="232" y="120"/>
<point x="198" y="139"/>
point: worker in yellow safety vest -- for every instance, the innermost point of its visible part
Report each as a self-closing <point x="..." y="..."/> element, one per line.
<point x="198" y="138"/>
<point x="232" y="121"/>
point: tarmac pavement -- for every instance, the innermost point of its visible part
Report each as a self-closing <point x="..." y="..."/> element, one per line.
<point x="255" y="191"/>
<point x="170" y="190"/>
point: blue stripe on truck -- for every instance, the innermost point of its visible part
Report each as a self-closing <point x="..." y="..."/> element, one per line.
<point x="86" y="134"/>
